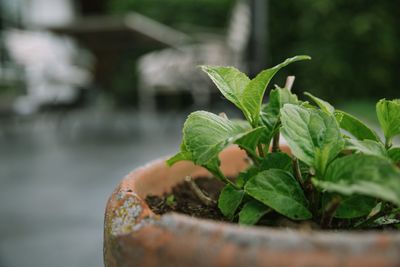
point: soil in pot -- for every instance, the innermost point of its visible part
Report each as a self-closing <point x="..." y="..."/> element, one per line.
<point x="183" y="199"/>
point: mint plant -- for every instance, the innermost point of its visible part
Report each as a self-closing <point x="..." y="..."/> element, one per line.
<point x="339" y="172"/>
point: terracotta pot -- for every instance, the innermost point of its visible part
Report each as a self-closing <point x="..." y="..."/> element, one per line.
<point x="134" y="236"/>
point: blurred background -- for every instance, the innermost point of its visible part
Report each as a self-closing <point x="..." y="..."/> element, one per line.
<point x="91" y="89"/>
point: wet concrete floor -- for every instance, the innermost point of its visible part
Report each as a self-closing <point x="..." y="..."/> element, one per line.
<point x="56" y="172"/>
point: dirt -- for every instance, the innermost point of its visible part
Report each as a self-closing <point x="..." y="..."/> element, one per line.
<point x="183" y="200"/>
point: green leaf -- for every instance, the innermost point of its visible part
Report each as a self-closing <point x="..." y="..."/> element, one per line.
<point x="355" y="127"/>
<point x="229" y="200"/>
<point x="280" y="191"/>
<point x="367" y="147"/>
<point x="312" y="135"/>
<point x="205" y="135"/>
<point x="253" y="94"/>
<point x="250" y="140"/>
<point x="364" y="175"/>
<point x="322" y="104"/>
<point x="270" y="113"/>
<point x="394" y="154"/>
<point x="243" y="177"/>
<point x="277" y="160"/>
<point x="181" y="155"/>
<point x="388" y="112"/>
<point x="354" y="206"/>
<point x="230" y="81"/>
<point x="252" y="212"/>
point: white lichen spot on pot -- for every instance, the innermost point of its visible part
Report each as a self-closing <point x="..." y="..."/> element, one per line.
<point x="126" y="216"/>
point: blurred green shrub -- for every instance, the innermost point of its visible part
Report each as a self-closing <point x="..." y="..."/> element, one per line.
<point x="354" y="45"/>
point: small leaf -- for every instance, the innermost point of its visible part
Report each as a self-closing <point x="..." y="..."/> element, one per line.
<point x="253" y="94"/>
<point x="277" y="160"/>
<point x="230" y="81"/>
<point x="322" y="104"/>
<point x="280" y="191"/>
<point x="252" y="212"/>
<point x="355" y="127"/>
<point x="394" y="154"/>
<point x="388" y="112"/>
<point x="367" y="147"/>
<point x="312" y="135"/>
<point x="270" y="113"/>
<point x="229" y="200"/>
<point x="364" y="175"/>
<point x="354" y="206"/>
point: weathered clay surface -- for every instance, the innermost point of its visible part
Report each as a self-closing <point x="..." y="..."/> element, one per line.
<point x="134" y="236"/>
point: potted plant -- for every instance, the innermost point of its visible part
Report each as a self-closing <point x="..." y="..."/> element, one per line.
<point x="330" y="197"/>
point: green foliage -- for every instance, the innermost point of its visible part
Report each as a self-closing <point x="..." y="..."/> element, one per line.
<point x="252" y="212"/>
<point x="368" y="147"/>
<point x="353" y="44"/>
<point x="389" y="117"/>
<point x="362" y="174"/>
<point x="246" y="94"/>
<point x="330" y="175"/>
<point x="355" y="127"/>
<point x="313" y="135"/>
<point x="229" y="200"/>
<point x="280" y="191"/>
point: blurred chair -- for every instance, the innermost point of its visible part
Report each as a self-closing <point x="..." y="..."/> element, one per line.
<point x="175" y="69"/>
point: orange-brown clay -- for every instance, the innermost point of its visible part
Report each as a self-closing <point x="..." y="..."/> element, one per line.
<point x="135" y="236"/>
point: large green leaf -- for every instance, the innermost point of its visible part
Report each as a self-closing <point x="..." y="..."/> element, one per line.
<point x="322" y="104"/>
<point x="253" y="94"/>
<point x="230" y="81"/>
<point x="280" y="191"/>
<point x="229" y="200"/>
<point x="252" y="212"/>
<point x="312" y="135"/>
<point x="367" y="147"/>
<point x="388" y="112"/>
<point x="362" y="174"/>
<point x="205" y="135"/>
<point x="355" y="126"/>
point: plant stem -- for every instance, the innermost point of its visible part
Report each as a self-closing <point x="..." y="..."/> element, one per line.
<point x="199" y="194"/>
<point x="329" y="212"/>
<point x="297" y="172"/>
<point x="388" y="143"/>
<point x="218" y="174"/>
<point x="289" y="82"/>
<point x="275" y="142"/>
<point x="260" y="150"/>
